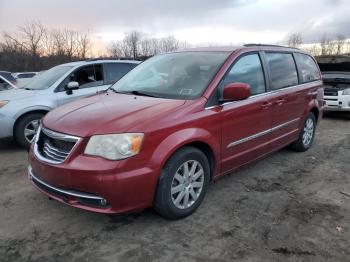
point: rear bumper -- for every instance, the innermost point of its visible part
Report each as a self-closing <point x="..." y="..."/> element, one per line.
<point x="94" y="184"/>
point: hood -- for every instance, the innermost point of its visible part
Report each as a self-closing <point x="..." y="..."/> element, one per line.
<point x="109" y="113"/>
<point x="16" y="93"/>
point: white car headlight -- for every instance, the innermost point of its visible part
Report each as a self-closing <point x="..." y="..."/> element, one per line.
<point x="346" y="91"/>
<point x="114" y="146"/>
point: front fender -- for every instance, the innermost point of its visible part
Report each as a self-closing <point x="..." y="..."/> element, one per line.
<point x="31" y="109"/>
<point x="181" y="138"/>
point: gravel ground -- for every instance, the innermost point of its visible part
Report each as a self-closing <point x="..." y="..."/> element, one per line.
<point x="287" y="207"/>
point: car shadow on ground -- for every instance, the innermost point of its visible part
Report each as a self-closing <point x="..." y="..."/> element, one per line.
<point x="337" y="115"/>
<point x="8" y="146"/>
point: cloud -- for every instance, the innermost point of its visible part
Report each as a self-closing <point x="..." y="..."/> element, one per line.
<point x="229" y="21"/>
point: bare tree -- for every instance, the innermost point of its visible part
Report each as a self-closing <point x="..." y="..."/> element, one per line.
<point x="132" y="42"/>
<point x="340" y="44"/>
<point x="84" y="45"/>
<point x="295" y="40"/>
<point x="169" y="44"/>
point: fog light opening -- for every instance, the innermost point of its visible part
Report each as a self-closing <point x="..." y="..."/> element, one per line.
<point x="103" y="202"/>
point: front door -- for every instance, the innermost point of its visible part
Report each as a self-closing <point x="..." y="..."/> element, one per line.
<point x="90" y="79"/>
<point x="246" y="124"/>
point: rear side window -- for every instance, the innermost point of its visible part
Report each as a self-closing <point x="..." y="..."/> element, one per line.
<point x="115" y="71"/>
<point x="282" y="70"/>
<point x="247" y="70"/>
<point x="307" y="68"/>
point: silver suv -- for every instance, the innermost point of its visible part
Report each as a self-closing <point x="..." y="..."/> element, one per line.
<point x="21" y="109"/>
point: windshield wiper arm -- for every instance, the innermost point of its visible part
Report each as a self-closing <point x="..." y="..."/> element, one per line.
<point x="135" y="92"/>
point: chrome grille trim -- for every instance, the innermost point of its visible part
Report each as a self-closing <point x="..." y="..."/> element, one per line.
<point x="58" y="156"/>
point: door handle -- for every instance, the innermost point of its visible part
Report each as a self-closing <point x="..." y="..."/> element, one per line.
<point x="280" y="101"/>
<point x="266" y="105"/>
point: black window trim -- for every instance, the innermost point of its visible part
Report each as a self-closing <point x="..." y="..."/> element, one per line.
<point x="269" y="69"/>
<point x="213" y="101"/>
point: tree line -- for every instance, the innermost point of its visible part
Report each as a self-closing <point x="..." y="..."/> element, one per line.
<point x="34" y="47"/>
<point x="336" y="45"/>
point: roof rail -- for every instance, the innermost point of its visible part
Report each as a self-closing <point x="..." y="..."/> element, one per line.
<point x="269" y="45"/>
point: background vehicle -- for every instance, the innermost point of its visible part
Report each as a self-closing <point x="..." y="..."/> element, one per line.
<point x="23" y="78"/>
<point x="159" y="143"/>
<point x="9" y="77"/>
<point x="5" y="84"/>
<point x="336" y="78"/>
<point x="21" y="109"/>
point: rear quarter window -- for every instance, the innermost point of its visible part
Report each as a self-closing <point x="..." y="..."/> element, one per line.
<point x="307" y="68"/>
<point x="283" y="71"/>
<point x="115" y="71"/>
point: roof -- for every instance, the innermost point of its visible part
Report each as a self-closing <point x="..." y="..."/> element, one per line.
<point x="87" y="62"/>
<point x="234" y="48"/>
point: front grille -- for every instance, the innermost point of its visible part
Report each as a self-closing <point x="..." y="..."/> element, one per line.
<point x="52" y="146"/>
<point x="330" y="92"/>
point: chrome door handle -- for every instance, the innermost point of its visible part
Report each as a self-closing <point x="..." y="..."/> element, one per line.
<point x="266" y="105"/>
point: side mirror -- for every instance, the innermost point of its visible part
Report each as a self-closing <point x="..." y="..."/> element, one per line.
<point x="71" y="86"/>
<point x="236" y="91"/>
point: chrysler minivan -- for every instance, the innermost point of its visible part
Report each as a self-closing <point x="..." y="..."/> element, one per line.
<point x="159" y="135"/>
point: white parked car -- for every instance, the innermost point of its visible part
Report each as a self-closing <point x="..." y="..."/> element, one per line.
<point x="22" y="108"/>
<point x="336" y="78"/>
<point x="5" y="84"/>
<point x="337" y="91"/>
<point x="24" y="78"/>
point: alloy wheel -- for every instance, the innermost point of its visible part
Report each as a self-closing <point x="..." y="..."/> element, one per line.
<point x="30" y="130"/>
<point x="187" y="184"/>
<point x="308" y="132"/>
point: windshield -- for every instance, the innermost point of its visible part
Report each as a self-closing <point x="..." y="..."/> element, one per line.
<point x="176" y="75"/>
<point x="49" y="77"/>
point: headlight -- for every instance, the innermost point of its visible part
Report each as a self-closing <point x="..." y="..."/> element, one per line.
<point x="114" y="146"/>
<point x="346" y="91"/>
<point x="3" y="103"/>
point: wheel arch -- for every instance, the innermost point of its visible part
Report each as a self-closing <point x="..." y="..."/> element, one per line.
<point x="40" y="111"/>
<point x="198" y="138"/>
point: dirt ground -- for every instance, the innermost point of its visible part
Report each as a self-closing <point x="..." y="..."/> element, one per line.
<point x="287" y="207"/>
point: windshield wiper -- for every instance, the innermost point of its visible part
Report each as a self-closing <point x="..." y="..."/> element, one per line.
<point x="135" y="92"/>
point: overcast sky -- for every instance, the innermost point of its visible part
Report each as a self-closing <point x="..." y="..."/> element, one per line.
<point x="195" y="21"/>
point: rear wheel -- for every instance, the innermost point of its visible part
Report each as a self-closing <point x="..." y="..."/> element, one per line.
<point x="26" y="129"/>
<point x="183" y="183"/>
<point x="306" y="135"/>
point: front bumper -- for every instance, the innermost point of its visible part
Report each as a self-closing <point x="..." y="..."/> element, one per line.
<point x="6" y="126"/>
<point x="337" y="103"/>
<point x="94" y="184"/>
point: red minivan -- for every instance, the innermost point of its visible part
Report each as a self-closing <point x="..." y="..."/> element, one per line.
<point x="159" y="135"/>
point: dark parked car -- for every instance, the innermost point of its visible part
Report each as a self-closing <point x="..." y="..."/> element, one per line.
<point x="173" y="124"/>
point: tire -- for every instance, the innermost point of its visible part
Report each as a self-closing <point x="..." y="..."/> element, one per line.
<point x="27" y="122"/>
<point x="173" y="177"/>
<point x="306" y="135"/>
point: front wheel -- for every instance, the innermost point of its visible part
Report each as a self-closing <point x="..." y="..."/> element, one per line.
<point x="26" y="129"/>
<point x="183" y="183"/>
<point x="306" y="135"/>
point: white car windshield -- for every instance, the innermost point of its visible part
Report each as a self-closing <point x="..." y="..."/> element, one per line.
<point x="49" y="77"/>
<point x="183" y="75"/>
